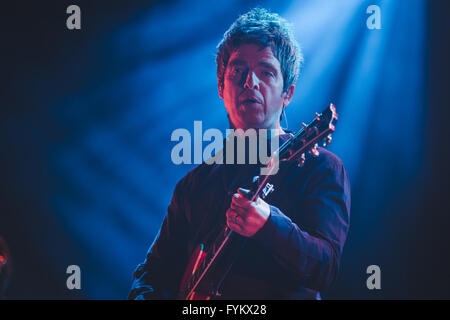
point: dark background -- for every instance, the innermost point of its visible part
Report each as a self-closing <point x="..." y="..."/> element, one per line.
<point x="86" y="118"/>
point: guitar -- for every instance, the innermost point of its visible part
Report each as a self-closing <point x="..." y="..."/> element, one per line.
<point x="202" y="280"/>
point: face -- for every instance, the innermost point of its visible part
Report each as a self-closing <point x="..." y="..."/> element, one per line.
<point x="253" y="88"/>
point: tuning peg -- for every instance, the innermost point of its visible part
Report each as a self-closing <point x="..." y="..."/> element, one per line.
<point x="314" y="151"/>
<point x="317" y="116"/>
<point x="327" y="140"/>
<point x="301" y="160"/>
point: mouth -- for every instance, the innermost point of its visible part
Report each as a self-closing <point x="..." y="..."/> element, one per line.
<point x="251" y="101"/>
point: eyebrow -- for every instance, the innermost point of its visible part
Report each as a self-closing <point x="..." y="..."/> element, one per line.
<point x="238" y="62"/>
<point x="268" y="66"/>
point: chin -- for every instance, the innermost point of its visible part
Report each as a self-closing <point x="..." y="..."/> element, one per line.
<point x="252" y="125"/>
<point x="254" y="122"/>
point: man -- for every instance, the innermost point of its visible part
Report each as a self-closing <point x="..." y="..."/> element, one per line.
<point x="295" y="239"/>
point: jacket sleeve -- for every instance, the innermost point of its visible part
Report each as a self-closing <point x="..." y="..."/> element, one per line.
<point x="159" y="275"/>
<point x="312" y="258"/>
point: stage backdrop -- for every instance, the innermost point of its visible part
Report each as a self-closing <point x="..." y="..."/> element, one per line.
<point x="87" y="115"/>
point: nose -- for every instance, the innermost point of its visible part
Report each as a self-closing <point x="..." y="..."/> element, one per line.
<point x="252" y="81"/>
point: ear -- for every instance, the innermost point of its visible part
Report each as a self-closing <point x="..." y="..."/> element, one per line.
<point x="288" y="94"/>
<point x="220" y="88"/>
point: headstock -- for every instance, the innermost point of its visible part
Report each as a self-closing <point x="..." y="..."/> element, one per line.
<point x="307" y="139"/>
<point x="304" y="141"/>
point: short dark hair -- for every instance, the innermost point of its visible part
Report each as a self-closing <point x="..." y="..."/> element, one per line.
<point x="262" y="27"/>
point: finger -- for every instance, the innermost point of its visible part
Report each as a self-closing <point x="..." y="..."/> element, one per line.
<point x="230" y="214"/>
<point x="239" y="207"/>
<point x="234" y="216"/>
<point x="242" y="213"/>
<point x="235" y="226"/>
<point x="239" y="200"/>
<point x="243" y="209"/>
<point x="244" y="193"/>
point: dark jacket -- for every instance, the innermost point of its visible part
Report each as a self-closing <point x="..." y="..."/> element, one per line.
<point x="295" y="255"/>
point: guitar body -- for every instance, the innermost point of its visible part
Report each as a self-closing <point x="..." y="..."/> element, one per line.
<point x="196" y="259"/>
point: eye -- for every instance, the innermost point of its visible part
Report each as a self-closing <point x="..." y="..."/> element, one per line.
<point x="236" y="70"/>
<point x="268" y="73"/>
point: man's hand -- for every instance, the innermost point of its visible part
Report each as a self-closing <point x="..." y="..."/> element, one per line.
<point x="247" y="217"/>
